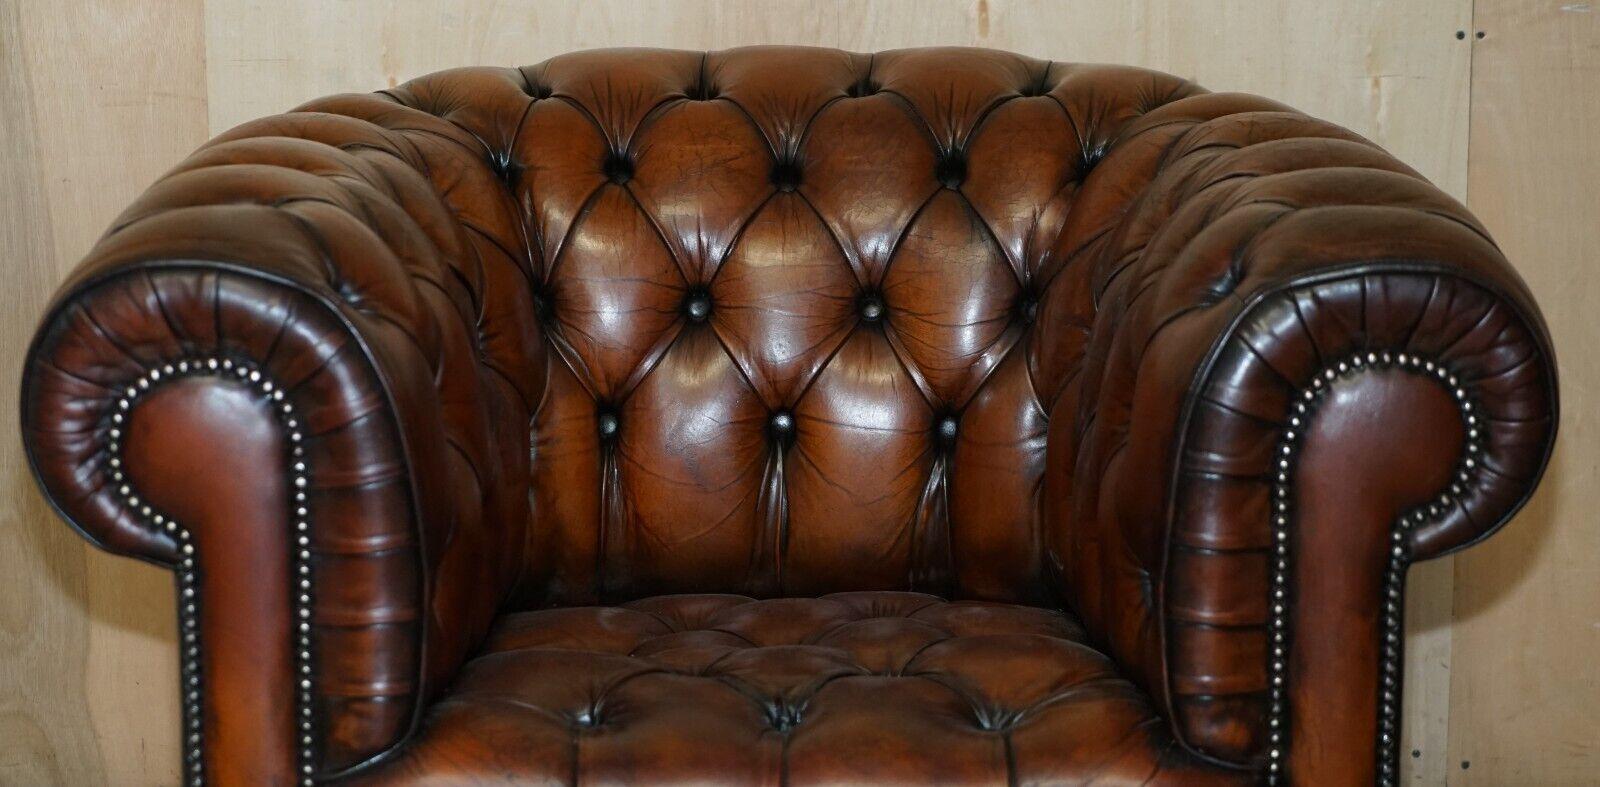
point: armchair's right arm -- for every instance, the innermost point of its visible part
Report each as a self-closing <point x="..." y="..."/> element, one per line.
<point x="267" y="376"/>
<point x="1308" y="368"/>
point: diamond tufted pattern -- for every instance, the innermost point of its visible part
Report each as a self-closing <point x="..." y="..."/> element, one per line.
<point x="848" y="688"/>
<point x="728" y="241"/>
<point x="782" y="323"/>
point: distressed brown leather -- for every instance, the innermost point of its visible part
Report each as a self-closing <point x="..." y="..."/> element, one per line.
<point x="997" y="350"/>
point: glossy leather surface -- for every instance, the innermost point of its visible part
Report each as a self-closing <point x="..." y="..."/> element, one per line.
<point x="850" y="688"/>
<point x="783" y="323"/>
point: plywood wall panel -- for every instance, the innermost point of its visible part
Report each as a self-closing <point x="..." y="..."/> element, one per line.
<point x="1526" y="676"/>
<point x="96" y="100"/>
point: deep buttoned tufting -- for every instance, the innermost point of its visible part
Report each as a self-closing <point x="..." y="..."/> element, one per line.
<point x="517" y="343"/>
<point x="849" y="688"/>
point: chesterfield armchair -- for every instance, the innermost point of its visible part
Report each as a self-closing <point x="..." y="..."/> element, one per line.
<point x="790" y="416"/>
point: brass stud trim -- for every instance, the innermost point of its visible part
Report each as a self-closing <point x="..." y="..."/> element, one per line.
<point x="187" y="568"/>
<point x="1391" y="654"/>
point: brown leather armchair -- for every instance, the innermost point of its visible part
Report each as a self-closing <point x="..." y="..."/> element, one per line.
<point x="791" y="416"/>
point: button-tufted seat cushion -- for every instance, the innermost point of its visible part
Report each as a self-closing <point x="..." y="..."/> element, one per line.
<point x="405" y="386"/>
<point x="848" y="688"/>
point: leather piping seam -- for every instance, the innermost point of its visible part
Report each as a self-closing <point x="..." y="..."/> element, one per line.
<point x="187" y="570"/>
<point x="1391" y="644"/>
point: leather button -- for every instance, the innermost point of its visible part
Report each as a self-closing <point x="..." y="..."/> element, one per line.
<point x="782" y="423"/>
<point x="1091" y="158"/>
<point x="871" y="307"/>
<point x="504" y="167"/>
<point x="947" y="429"/>
<point x="618" y="168"/>
<point x="862" y="88"/>
<point x="783" y="718"/>
<point x="786" y="175"/>
<point x="608" y="425"/>
<point x="698" y="305"/>
<point x="1028" y="308"/>
<point x="951" y="169"/>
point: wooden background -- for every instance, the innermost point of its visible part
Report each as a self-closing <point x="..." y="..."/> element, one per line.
<point x="1495" y="100"/>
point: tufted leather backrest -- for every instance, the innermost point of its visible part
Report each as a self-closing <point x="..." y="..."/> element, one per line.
<point x="795" y="319"/>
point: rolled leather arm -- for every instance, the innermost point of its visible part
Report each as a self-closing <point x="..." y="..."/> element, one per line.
<point x="1313" y="367"/>
<point x="264" y="376"/>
